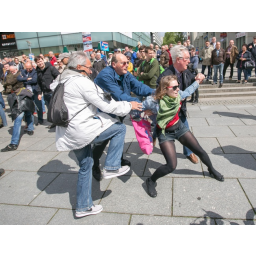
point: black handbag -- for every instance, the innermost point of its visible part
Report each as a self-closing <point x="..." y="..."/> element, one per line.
<point x="249" y="64"/>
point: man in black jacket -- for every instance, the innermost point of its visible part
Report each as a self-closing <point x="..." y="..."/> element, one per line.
<point x="46" y="73"/>
<point x="181" y="58"/>
<point x="252" y="50"/>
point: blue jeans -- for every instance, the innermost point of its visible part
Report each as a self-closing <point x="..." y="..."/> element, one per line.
<point x="209" y="70"/>
<point x="186" y="151"/>
<point x="43" y="104"/>
<point x="239" y="72"/>
<point x="2" y="100"/>
<point x="29" y="118"/>
<point x="116" y="134"/>
<point x="39" y="109"/>
<point x="216" y="68"/>
<point x="2" y="115"/>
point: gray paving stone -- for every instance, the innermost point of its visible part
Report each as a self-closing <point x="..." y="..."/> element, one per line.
<point x="220" y="121"/>
<point x="41" y="145"/>
<point x="235" y="222"/>
<point x="130" y="132"/>
<point x="251" y="111"/>
<point x="7" y="155"/>
<point x="191" y="107"/>
<point x="22" y="187"/>
<point x="197" y="121"/>
<point x="242" y="106"/>
<point x="244" y="131"/>
<point x="210" y="198"/>
<point x="28" y="161"/>
<point x="210" y="145"/>
<point x="130" y="197"/>
<point x="5" y="174"/>
<point x="209" y="108"/>
<point x="204" y="113"/>
<point x="233" y="113"/>
<point x="62" y="162"/>
<point x="52" y="147"/>
<point x="162" y="220"/>
<point x="233" y="165"/>
<point x="3" y="140"/>
<point x="211" y="131"/>
<point x="249" y="186"/>
<point x="238" y="145"/>
<point x="184" y="167"/>
<point x="67" y="217"/>
<point x="61" y="193"/>
<point x="27" y="142"/>
<point x="25" y="215"/>
<point x="249" y="120"/>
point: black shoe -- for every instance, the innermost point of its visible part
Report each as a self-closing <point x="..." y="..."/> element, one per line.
<point x="39" y="123"/>
<point x="151" y="187"/>
<point x="216" y="175"/>
<point x="96" y="172"/>
<point x="51" y="126"/>
<point x="10" y="147"/>
<point x="191" y="100"/>
<point x="1" y="126"/>
<point x="2" y="171"/>
<point x="221" y="84"/>
<point x="195" y="102"/>
<point x="125" y="162"/>
<point x="30" y="133"/>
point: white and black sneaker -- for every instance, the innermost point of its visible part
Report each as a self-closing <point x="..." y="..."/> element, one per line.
<point x="111" y="174"/>
<point x="95" y="209"/>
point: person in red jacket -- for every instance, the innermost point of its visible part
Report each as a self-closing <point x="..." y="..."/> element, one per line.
<point x="167" y="49"/>
<point x="53" y="58"/>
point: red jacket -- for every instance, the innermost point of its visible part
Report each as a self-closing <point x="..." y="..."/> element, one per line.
<point x="170" y="60"/>
<point x="53" y="60"/>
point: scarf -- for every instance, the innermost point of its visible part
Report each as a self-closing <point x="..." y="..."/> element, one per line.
<point x="168" y="108"/>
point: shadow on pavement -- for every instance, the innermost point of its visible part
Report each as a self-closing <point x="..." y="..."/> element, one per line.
<point x="233" y="114"/>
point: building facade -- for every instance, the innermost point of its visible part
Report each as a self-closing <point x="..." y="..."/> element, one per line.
<point x="18" y="43"/>
<point x="156" y="38"/>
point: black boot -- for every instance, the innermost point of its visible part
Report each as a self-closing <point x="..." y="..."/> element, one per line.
<point x="195" y="102"/>
<point x="151" y="187"/>
<point x="96" y="172"/>
<point x="191" y="100"/>
<point x="216" y="175"/>
<point x="125" y="162"/>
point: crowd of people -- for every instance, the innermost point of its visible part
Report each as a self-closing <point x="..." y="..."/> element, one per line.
<point x="99" y="91"/>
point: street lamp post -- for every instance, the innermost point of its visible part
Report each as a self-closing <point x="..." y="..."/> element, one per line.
<point x="29" y="45"/>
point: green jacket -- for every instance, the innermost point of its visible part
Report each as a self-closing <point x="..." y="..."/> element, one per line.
<point x="150" y="73"/>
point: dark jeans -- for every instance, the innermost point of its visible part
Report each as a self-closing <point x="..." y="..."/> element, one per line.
<point x="186" y="151"/>
<point x="39" y="106"/>
<point x="195" y="95"/>
<point x="239" y="72"/>
<point x="2" y="100"/>
<point x="98" y="148"/>
<point x="47" y="99"/>
<point x="209" y="70"/>
<point x="227" y="63"/>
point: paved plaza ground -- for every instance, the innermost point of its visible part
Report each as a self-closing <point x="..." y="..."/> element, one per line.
<point x="39" y="185"/>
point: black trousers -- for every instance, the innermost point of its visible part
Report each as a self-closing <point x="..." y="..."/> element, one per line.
<point x="98" y="149"/>
<point x="195" y="95"/>
<point x="227" y="63"/>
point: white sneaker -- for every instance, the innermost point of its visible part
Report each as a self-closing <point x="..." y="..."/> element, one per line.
<point x="111" y="174"/>
<point x="95" y="209"/>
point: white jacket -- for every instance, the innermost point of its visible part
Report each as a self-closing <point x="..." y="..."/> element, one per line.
<point x="79" y="91"/>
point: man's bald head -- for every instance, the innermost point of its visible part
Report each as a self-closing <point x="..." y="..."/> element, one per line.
<point x="120" y="63"/>
<point x="28" y="64"/>
<point x="13" y="69"/>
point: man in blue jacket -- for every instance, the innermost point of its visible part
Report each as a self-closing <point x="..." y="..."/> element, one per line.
<point x="116" y="80"/>
<point x="29" y="77"/>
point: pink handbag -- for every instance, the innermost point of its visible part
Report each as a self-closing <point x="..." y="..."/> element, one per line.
<point x="142" y="130"/>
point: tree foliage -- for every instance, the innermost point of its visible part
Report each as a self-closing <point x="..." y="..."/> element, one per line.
<point x="173" y="38"/>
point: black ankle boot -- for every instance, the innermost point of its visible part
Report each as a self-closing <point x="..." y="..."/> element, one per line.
<point x="216" y="175"/>
<point x="151" y="187"/>
<point x="191" y="100"/>
<point x="96" y="172"/>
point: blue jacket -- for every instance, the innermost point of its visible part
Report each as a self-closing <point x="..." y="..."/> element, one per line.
<point x="134" y="56"/>
<point x="24" y="75"/>
<point x="194" y="60"/>
<point x="108" y="80"/>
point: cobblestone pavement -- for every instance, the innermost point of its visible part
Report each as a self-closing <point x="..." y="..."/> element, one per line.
<point x="39" y="185"/>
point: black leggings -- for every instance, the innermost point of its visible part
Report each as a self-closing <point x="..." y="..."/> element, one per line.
<point x="169" y="152"/>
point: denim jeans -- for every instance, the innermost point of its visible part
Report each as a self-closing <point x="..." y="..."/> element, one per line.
<point x="2" y="100"/>
<point x="47" y="99"/>
<point x="216" y="68"/>
<point x="2" y="115"/>
<point x="39" y="109"/>
<point x="239" y="72"/>
<point x="116" y="134"/>
<point x="29" y="118"/>
<point x="209" y="70"/>
<point x="43" y="104"/>
<point x="186" y="151"/>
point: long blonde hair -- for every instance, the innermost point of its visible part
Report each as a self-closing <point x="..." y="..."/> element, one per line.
<point x="162" y="88"/>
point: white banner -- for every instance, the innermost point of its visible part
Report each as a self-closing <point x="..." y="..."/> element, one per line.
<point x="129" y="34"/>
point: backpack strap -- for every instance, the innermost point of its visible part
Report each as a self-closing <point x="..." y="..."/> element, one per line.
<point x="78" y="113"/>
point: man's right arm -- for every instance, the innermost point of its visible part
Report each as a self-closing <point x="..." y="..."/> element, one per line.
<point x="20" y="77"/>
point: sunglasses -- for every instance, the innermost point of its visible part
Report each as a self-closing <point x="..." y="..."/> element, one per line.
<point x="124" y="63"/>
<point x="174" y="87"/>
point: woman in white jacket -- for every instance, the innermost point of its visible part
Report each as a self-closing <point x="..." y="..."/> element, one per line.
<point x="89" y="127"/>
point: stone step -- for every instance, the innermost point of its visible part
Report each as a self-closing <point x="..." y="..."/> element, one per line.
<point x="240" y="85"/>
<point x="253" y="80"/>
<point x="227" y="89"/>
<point x="227" y="94"/>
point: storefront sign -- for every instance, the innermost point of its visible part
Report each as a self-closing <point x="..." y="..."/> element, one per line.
<point x="241" y="34"/>
<point x="87" y="41"/>
<point x="7" y="41"/>
<point x="104" y="46"/>
<point x="223" y="35"/>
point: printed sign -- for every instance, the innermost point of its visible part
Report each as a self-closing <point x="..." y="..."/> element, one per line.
<point x="241" y="34"/>
<point x="104" y="46"/>
<point x="87" y="41"/>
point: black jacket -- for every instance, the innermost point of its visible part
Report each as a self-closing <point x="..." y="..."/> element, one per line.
<point x="1" y="70"/>
<point x="252" y="51"/>
<point x="45" y="77"/>
<point x="99" y="65"/>
<point x="24" y="75"/>
<point x="247" y="55"/>
<point x="187" y="79"/>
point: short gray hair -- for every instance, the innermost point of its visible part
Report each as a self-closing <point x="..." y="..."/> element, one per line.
<point x="177" y="51"/>
<point x="76" y="58"/>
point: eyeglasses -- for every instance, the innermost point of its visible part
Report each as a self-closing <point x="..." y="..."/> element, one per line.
<point x="174" y="87"/>
<point x="124" y="63"/>
<point x="86" y="67"/>
<point x="185" y="59"/>
<point x="142" y="51"/>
